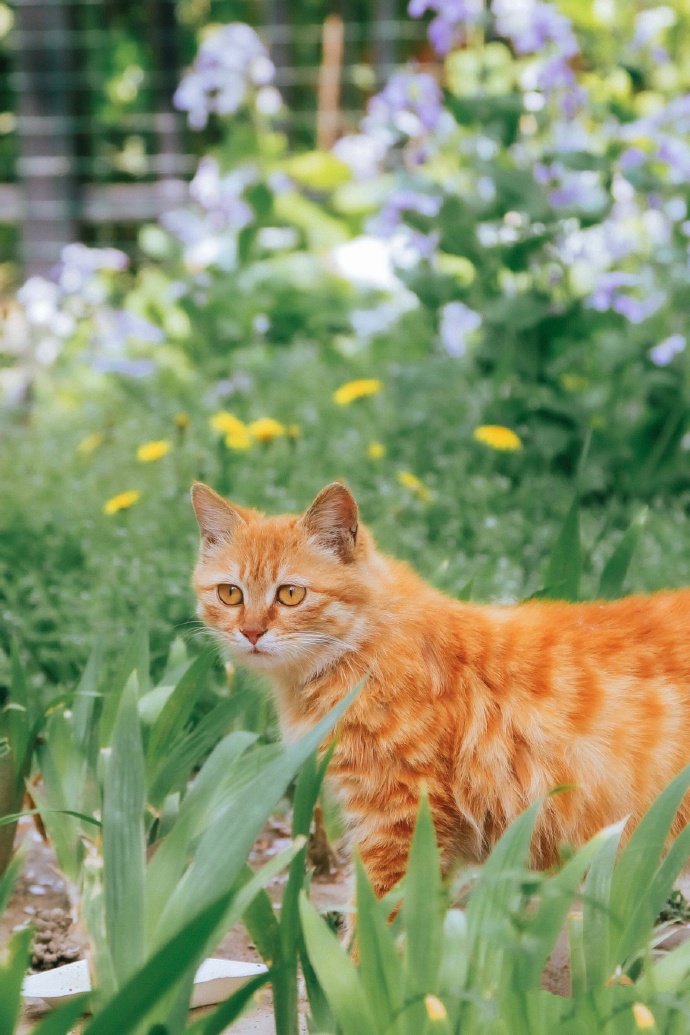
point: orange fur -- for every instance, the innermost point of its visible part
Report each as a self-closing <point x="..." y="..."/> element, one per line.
<point x="487" y="707"/>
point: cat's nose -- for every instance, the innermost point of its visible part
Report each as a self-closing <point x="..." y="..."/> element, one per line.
<point x="252" y="634"/>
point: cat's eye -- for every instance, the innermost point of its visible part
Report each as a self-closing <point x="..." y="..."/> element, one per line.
<point x="229" y="594"/>
<point x="291" y="595"/>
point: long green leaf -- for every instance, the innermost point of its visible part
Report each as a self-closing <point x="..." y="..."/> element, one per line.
<point x="11" y="977"/>
<point x="337" y="974"/>
<point x="616" y="568"/>
<point x="63" y="1020"/>
<point x="135" y="662"/>
<point x="639" y="924"/>
<point x="170" y="724"/>
<point x="124" y="846"/>
<point x="144" y="989"/>
<point x="381" y="969"/>
<point x="184" y="754"/>
<point x="224" y="847"/>
<point x="565" y="564"/>
<point x="596" y="912"/>
<point x="640" y="857"/>
<point x="422" y="919"/>
<point x="230" y="1010"/>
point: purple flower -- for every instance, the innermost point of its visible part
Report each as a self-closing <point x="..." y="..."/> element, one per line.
<point x="663" y="353"/>
<point x="120" y="365"/>
<point x="532" y="25"/>
<point x="631" y="158"/>
<point x="390" y="218"/>
<point x="449" y="28"/>
<point x="608" y="289"/>
<point x="410" y="103"/>
<point x="456" y="324"/>
<point x="609" y="295"/>
<point x="231" y="62"/>
<point x="220" y="195"/>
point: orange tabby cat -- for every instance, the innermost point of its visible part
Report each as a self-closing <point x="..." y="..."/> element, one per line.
<point x="488" y="707"/>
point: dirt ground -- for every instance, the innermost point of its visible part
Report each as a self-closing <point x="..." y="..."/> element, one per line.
<point x="41" y="898"/>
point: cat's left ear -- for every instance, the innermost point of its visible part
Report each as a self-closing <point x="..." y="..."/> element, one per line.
<point x="332" y="521"/>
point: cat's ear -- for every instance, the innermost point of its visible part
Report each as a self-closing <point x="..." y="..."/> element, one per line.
<point x="332" y="520"/>
<point x="218" y="519"/>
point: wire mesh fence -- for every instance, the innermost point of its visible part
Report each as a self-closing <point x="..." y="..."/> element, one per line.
<point x="90" y="143"/>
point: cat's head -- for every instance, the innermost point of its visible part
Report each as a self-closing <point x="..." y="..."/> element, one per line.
<point x="288" y="593"/>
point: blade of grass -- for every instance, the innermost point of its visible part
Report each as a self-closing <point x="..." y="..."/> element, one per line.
<point x="170" y="724"/>
<point x="337" y="974"/>
<point x="596" y="905"/>
<point x="11" y="977"/>
<point x="124" y="846"/>
<point x="640" y="857"/>
<point x="231" y="1009"/>
<point x="616" y="568"/>
<point x="564" y="570"/>
<point x="422" y="913"/>
<point x="381" y="970"/>
<point x="224" y="847"/>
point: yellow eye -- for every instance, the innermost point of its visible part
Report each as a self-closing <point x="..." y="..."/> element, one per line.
<point x="291" y="595"/>
<point x="228" y="594"/>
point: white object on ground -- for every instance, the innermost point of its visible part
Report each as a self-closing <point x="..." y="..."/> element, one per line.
<point x="214" y="981"/>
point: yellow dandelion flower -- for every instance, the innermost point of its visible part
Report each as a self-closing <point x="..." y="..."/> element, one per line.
<point x="376" y="450"/>
<point x="238" y="438"/>
<point x="644" y="1018"/>
<point x="497" y="437"/>
<point x="353" y="390"/>
<point x="182" y="421"/>
<point x="266" y="429"/>
<point x="90" y="443"/>
<point x="123" y="501"/>
<point x="225" y="422"/>
<point x="435" y="1010"/>
<point x="414" y="484"/>
<point x="150" y="451"/>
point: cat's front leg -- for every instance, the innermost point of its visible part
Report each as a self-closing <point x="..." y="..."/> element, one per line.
<point x="384" y="853"/>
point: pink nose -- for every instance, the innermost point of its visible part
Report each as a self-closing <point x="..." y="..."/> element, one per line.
<point x="252" y="634"/>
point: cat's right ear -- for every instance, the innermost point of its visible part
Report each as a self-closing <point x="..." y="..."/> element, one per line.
<point x="218" y="519"/>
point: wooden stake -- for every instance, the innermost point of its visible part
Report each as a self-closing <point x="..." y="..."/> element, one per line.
<point x="330" y="72"/>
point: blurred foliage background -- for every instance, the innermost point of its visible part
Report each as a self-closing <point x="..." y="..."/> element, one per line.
<point x="489" y="232"/>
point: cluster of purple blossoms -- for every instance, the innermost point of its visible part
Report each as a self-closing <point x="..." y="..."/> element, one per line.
<point x="410" y="105"/>
<point x="448" y="29"/>
<point x="208" y="229"/>
<point x="230" y="64"/>
<point x="611" y="294"/>
<point x="536" y="27"/>
<point x="664" y="353"/>
<point x="456" y="324"/>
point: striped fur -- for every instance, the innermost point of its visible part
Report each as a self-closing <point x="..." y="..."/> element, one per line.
<point x="487" y="707"/>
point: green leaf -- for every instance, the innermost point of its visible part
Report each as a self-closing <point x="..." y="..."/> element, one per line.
<point x="11" y="977"/>
<point x="135" y="660"/>
<point x="63" y="1020"/>
<point x="124" y="846"/>
<point x="230" y="1010"/>
<point x="639" y="860"/>
<point x="174" y="715"/>
<point x="85" y="697"/>
<point x="174" y="768"/>
<point x="616" y="568"/>
<point x="318" y="170"/>
<point x="224" y="847"/>
<point x="381" y="970"/>
<point x="596" y="905"/>
<point x="337" y="974"/>
<point x="565" y="564"/>
<point x="422" y="918"/>
<point x="144" y="989"/>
